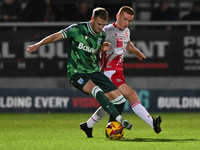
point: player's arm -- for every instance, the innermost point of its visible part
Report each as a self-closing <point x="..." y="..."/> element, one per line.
<point x="106" y="46"/>
<point x="49" y="39"/>
<point x="131" y="48"/>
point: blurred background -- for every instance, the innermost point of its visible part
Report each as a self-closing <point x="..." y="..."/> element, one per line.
<point x="166" y="31"/>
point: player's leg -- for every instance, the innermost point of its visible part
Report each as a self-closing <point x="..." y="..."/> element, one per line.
<point x="100" y="113"/>
<point x="87" y="126"/>
<point x="118" y="102"/>
<point x="82" y="81"/>
<point x="100" y="85"/>
<point x="134" y="101"/>
<point x="114" y="96"/>
<point x="98" y="93"/>
<point x="112" y="93"/>
<point x="136" y="106"/>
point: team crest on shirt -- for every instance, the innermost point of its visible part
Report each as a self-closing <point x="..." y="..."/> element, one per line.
<point x="80" y="81"/>
<point x="99" y="41"/>
<point x="126" y="34"/>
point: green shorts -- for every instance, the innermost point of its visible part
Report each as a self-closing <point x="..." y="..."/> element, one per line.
<point x="80" y="79"/>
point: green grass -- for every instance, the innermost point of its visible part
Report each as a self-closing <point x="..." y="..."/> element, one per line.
<point x="61" y="132"/>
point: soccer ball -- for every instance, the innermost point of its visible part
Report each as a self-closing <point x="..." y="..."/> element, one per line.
<point x="114" y="130"/>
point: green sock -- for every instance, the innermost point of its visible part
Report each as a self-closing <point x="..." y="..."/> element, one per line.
<point x="106" y="104"/>
<point x="119" y="108"/>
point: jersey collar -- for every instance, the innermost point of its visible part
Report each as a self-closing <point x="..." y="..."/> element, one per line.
<point x="114" y="25"/>
<point x="90" y="28"/>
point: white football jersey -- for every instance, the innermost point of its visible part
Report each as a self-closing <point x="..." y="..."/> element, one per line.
<point x="113" y="59"/>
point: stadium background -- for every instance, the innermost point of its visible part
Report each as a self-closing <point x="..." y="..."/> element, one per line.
<point x="168" y="81"/>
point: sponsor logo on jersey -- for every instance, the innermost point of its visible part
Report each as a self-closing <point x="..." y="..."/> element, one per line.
<point x="80" y="81"/>
<point x="99" y="41"/>
<point x="119" y="42"/>
<point x="86" y="48"/>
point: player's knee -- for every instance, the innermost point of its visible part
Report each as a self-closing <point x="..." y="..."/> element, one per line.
<point x="132" y="97"/>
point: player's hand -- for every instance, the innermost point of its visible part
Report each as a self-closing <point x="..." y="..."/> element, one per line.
<point x="32" y="48"/>
<point x="140" y="56"/>
<point x="106" y="46"/>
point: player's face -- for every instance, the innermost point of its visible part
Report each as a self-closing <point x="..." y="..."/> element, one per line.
<point x="124" y="20"/>
<point x="97" y="24"/>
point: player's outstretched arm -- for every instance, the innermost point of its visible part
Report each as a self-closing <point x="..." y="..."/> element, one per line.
<point x="131" y="48"/>
<point x="49" y="39"/>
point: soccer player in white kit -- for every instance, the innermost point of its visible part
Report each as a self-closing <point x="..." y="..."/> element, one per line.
<point x="111" y="64"/>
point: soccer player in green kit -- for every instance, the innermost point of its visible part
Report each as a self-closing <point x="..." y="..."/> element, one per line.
<point x="87" y="38"/>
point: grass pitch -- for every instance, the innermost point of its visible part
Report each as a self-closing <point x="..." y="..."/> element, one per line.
<point x="62" y="132"/>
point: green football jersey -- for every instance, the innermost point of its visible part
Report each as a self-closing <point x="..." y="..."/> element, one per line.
<point x="84" y="42"/>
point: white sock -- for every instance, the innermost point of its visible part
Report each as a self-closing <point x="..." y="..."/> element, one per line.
<point x="142" y="113"/>
<point x="119" y="100"/>
<point x="119" y="118"/>
<point x="99" y="114"/>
